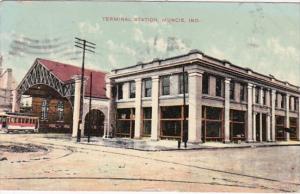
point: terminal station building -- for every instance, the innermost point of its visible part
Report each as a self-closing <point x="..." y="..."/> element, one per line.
<point x="55" y="91"/>
<point x="224" y="102"/>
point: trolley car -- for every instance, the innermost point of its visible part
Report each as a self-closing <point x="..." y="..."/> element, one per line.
<point x="16" y="122"/>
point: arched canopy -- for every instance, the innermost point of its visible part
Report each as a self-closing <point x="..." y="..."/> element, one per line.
<point x="40" y="75"/>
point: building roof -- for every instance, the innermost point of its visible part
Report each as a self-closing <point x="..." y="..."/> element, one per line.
<point x="65" y="72"/>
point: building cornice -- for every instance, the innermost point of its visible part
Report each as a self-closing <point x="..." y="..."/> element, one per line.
<point x="205" y="61"/>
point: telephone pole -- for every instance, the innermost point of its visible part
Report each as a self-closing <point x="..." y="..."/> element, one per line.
<point x="85" y="46"/>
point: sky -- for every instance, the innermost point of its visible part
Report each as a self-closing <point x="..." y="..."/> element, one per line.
<point x="262" y="36"/>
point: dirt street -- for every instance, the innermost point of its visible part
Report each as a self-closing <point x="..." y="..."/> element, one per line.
<point x="38" y="162"/>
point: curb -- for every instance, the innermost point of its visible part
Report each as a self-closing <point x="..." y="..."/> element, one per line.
<point x="192" y="149"/>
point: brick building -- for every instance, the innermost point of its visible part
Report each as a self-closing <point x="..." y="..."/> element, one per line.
<point x="55" y="91"/>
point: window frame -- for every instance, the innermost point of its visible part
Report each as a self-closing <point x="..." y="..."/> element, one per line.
<point x="180" y="85"/>
<point x="147" y="90"/>
<point x="165" y="85"/>
<point x="205" y="83"/>
<point x="120" y="91"/>
<point x="132" y="89"/>
<point x="219" y="86"/>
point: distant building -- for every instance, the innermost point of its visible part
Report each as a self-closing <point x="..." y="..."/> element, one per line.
<point x="224" y="102"/>
<point x="7" y="84"/>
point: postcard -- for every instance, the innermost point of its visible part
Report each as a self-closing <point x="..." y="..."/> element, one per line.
<point x="150" y="96"/>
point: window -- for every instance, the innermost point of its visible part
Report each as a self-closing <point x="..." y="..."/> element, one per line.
<point x="212" y="122"/>
<point x="218" y="86"/>
<point x="125" y="122"/>
<point x="45" y="108"/>
<point x="237" y="125"/>
<point x="242" y="92"/>
<point x="132" y="89"/>
<point x="264" y="97"/>
<point x="232" y="90"/>
<point x="279" y="127"/>
<point x="276" y="100"/>
<point x="296" y="103"/>
<point x="60" y="110"/>
<point x="257" y="95"/>
<point x="180" y="84"/>
<point x="293" y="128"/>
<point x="282" y="101"/>
<point x="165" y="80"/>
<point x="172" y="121"/>
<point x="120" y="91"/>
<point x="148" y="87"/>
<point x="205" y="81"/>
<point x="147" y="115"/>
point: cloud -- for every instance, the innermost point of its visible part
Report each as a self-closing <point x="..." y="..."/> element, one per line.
<point x="87" y="27"/>
<point x="112" y="61"/>
<point x="138" y="35"/>
<point x="215" y="52"/>
<point x="120" y="48"/>
<point x="277" y="48"/>
<point x="160" y="45"/>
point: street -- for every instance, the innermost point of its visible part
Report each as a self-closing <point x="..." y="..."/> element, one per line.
<point x="43" y="162"/>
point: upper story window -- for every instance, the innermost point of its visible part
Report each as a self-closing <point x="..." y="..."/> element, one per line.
<point x="205" y="81"/>
<point x="257" y="95"/>
<point x="147" y="87"/>
<point x="165" y="80"/>
<point x="264" y="97"/>
<point x="132" y="89"/>
<point x="120" y="91"/>
<point x="44" y="109"/>
<point x="276" y="100"/>
<point x="282" y="101"/>
<point x="180" y="84"/>
<point x="296" y="101"/>
<point x="232" y="90"/>
<point x="242" y="92"/>
<point x="218" y="86"/>
<point x="60" y="110"/>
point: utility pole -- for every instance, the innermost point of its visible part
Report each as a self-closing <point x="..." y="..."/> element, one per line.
<point x="85" y="46"/>
<point x="90" y="107"/>
<point x="184" y="135"/>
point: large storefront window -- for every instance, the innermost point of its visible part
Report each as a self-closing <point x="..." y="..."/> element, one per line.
<point x="172" y="121"/>
<point x="147" y="116"/>
<point x="279" y="127"/>
<point x="293" y="128"/>
<point x="237" y="125"/>
<point x="125" y="122"/>
<point x="212" y="122"/>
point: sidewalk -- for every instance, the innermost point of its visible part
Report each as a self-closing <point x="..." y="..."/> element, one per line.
<point x="168" y="145"/>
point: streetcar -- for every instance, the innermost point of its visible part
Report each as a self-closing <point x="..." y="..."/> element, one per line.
<point x="17" y="122"/>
